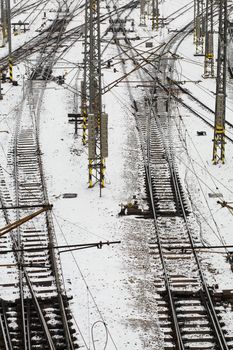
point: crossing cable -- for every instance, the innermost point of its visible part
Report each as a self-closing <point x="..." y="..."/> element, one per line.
<point x="210" y="307"/>
<point x="198" y="179"/>
<point x="218" y="331"/>
<point x="206" y="295"/>
<point x="84" y="280"/>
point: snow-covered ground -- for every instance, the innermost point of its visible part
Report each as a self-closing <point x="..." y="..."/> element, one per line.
<point x="114" y="285"/>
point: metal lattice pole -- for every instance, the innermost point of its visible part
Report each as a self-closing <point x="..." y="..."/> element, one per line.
<point x="4" y="21"/>
<point x="9" y="39"/>
<point x="92" y="96"/>
<point x="85" y="82"/>
<point x="220" y="105"/>
<point x="155" y="14"/>
<point x="209" y="41"/>
<point x="194" y="20"/>
<point x="142" y="13"/>
<point x="199" y="27"/>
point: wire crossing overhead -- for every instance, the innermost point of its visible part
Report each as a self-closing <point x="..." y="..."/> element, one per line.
<point x="199" y="26"/>
<point x="209" y="41"/>
<point x="94" y="120"/>
<point x="220" y="104"/>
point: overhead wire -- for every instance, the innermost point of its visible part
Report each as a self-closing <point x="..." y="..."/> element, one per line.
<point x="77" y="224"/>
<point x="200" y="180"/>
<point x="30" y="191"/>
<point x="84" y="280"/>
<point x="200" y="186"/>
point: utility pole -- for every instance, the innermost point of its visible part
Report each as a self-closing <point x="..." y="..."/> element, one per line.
<point x="142" y="13"/>
<point x="9" y="40"/>
<point x="84" y="110"/>
<point x="155" y="14"/>
<point x="220" y="104"/>
<point x="3" y="21"/>
<point x="86" y="74"/>
<point x="209" y="41"/>
<point x="199" y="27"/>
<point x="194" y="20"/>
<point x="92" y="96"/>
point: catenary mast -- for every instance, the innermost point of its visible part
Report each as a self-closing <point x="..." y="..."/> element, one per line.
<point x="220" y="104"/>
<point x="94" y="120"/>
<point x="199" y="26"/>
<point x="209" y="41"/>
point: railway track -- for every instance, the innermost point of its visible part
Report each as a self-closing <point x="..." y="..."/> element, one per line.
<point x="195" y="99"/>
<point x="41" y="279"/>
<point x="188" y="316"/>
<point x="36" y="313"/>
<point x="192" y="110"/>
<point x="38" y="317"/>
<point x="67" y="39"/>
<point x="167" y="82"/>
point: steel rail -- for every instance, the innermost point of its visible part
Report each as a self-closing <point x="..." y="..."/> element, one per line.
<point x="211" y="311"/>
<point x="178" y="337"/>
<point x="40" y="313"/>
<point x="208" y="301"/>
<point x="5" y="329"/>
<point x="33" y="45"/>
<point x="17" y="240"/>
<point x="187" y="92"/>
<point x="23" y="271"/>
<point x="48" y="215"/>
<point x="179" y="100"/>
<point x="213" y="316"/>
<point x="38" y="308"/>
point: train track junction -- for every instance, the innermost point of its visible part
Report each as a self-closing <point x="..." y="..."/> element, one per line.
<point x="112" y="136"/>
